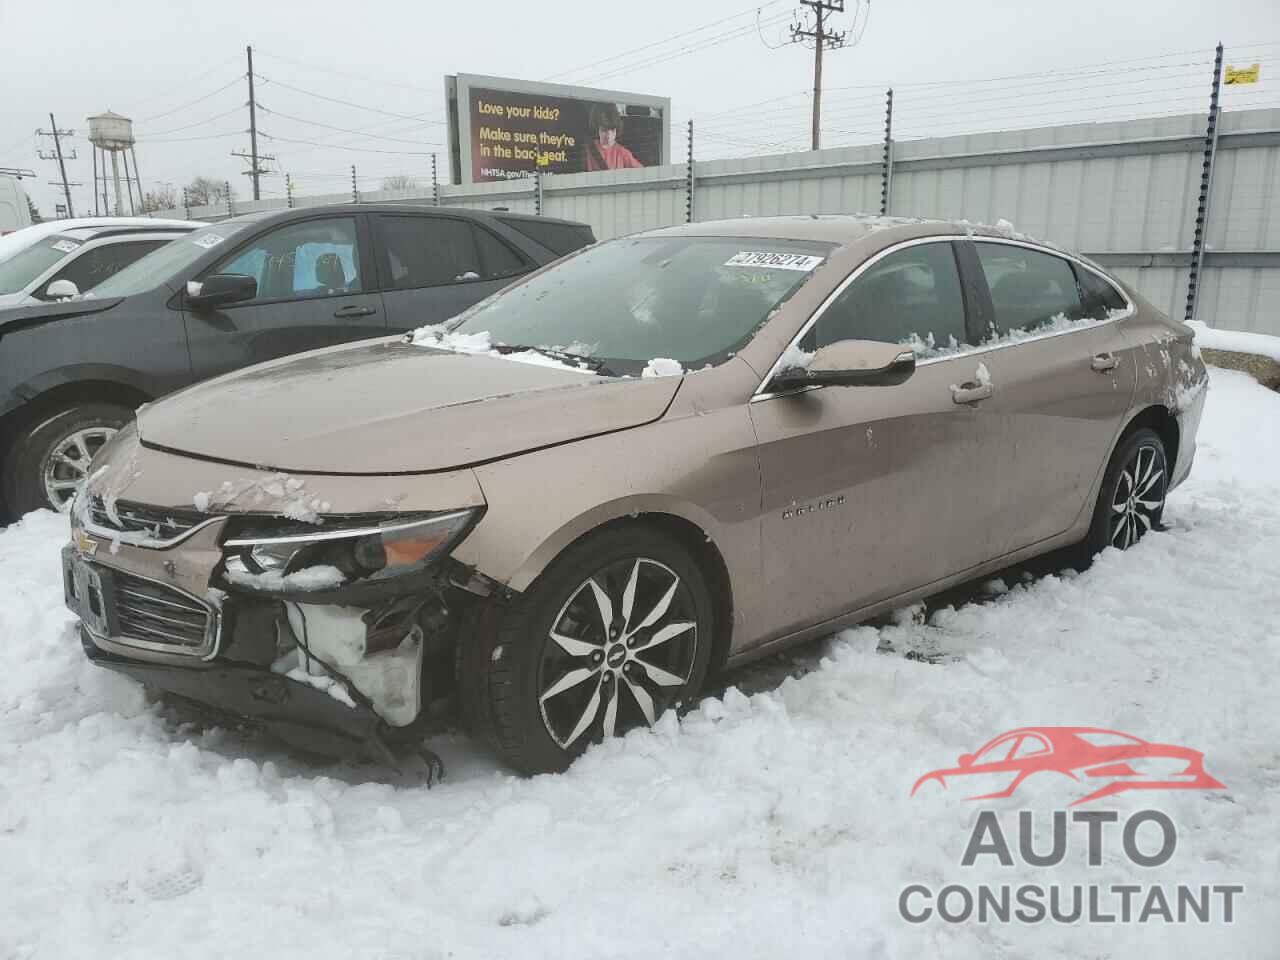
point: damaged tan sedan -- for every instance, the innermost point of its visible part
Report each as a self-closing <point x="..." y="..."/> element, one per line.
<point x="666" y="453"/>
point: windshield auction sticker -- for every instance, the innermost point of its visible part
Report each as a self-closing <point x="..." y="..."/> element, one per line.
<point x="774" y="261"/>
<point x="65" y="246"/>
<point x="207" y="240"/>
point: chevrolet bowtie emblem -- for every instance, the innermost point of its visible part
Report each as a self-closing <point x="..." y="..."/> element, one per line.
<point x="86" y="546"/>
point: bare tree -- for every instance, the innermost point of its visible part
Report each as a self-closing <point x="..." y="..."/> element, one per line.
<point x="206" y="191"/>
<point x="163" y="197"/>
<point x="399" y="181"/>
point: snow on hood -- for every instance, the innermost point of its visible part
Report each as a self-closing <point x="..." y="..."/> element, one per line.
<point x="662" y="367"/>
<point x="439" y="337"/>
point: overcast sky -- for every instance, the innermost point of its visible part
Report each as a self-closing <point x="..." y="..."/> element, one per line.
<point x="149" y="61"/>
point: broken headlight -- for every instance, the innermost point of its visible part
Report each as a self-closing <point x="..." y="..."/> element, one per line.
<point x="301" y="557"/>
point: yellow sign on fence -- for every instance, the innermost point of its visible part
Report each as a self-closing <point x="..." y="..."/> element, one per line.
<point x="1247" y="74"/>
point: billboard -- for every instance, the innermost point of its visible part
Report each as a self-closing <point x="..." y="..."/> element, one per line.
<point x="502" y="129"/>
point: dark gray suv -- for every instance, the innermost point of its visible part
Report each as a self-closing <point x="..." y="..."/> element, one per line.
<point x="234" y="293"/>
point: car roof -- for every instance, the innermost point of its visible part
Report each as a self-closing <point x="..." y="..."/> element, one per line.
<point x="11" y="243"/>
<point x="117" y="230"/>
<point x="340" y="209"/>
<point x="837" y="228"/>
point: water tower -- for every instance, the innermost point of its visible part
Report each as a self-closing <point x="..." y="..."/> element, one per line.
<point x="112" y="134"/>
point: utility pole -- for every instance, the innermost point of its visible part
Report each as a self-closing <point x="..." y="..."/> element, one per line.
<point x="255" y="159"/>
<point x="821" y="38"/>
<point x="57" y="154"/>
<point x="254" y="172"/>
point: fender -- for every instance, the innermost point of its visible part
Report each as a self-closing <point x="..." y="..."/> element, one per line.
<point x="114" y="374"/>
<point x="620" y="509"/>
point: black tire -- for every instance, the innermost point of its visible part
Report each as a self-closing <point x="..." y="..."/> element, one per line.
<point x="507" y="659"/>
<point x="24" y="485"/>
<point x="1140" y="454"/>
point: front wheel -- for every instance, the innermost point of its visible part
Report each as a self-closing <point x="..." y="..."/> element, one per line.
<point x="1131" y="501"/>
<point x="618" y="630"/>
<point x="50" y="460"/>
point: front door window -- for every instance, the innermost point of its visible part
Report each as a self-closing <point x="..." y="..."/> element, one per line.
<point x="911" y="297"/>
<point x="315" y="258"/>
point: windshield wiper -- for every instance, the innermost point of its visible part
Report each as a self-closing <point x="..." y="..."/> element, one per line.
<point x="594" y="364"/>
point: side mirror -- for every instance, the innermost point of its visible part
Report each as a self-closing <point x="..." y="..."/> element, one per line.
<point x="846" y="363"/>
<point x="965" y="759"/>
<point x="221" y="288"/>
<point x="61" y="290"/>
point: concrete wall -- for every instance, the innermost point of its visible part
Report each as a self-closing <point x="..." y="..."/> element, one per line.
<point x="1125" y="193"/>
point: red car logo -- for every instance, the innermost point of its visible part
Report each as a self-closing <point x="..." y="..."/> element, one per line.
<point x="1086" y="755"/>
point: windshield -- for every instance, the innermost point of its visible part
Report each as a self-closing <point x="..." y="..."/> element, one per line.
<point x="694" y="300"/>
<point x="160" y="265"/>
<point x="18" y="271"/>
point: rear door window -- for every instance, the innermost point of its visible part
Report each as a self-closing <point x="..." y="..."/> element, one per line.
<point x="911" y="297"/>
<point x="429" y="251"/>
<point x="1029" y="289"/>
<point x="497" y="260"/>
<point x="1099" y="298"/>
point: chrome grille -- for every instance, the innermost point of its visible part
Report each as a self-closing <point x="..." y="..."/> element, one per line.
<point x="159" y="616"/>
<point x="157" y="523"/>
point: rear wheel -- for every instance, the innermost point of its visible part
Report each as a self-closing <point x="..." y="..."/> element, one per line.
<point x="1131" y="501"/>
<point x="50" y="459"/>
<point x="616" y="632"/>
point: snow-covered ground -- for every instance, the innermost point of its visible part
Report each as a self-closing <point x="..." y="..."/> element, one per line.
<point x="762" y="826"/>
<point x="1258" y="343"/>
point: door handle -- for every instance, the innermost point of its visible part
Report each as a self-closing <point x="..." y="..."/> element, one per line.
<point x="355" y="310"/>
<point x="1103" y="362"/>
<point x="971" y="392"/>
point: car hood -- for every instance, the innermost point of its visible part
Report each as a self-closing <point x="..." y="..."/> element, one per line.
<point x="34" y="314"/>
<point x="389" y="406"/>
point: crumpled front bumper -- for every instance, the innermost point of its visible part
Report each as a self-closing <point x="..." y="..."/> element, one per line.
<point x="187" y="631"/>
<point x="297" y="713"/>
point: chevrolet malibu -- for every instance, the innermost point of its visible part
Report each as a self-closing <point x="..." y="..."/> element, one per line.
<point x="555" y="513"/>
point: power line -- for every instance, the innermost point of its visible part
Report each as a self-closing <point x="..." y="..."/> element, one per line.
<point x="657" y="43"/>
<point x="192" y="103"/>
<point x="330" y="71"/>
<point x="713" y="41"/>
<point x="1049" y="77"/>
<point x="187" y="83"/>
<point x="211" y="136"/>
<point x="347" y="103"/>
<point x="329" y="126"/>
<point x="407" y="153"/>
<point x="217" y="116"/>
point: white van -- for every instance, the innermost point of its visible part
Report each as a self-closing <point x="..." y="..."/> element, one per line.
<point x="14" y="214"/>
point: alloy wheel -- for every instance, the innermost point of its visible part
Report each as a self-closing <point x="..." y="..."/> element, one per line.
<point x="620" y="651"/>
<point x="67" y="464"/>
<point x="1138" y="500"/>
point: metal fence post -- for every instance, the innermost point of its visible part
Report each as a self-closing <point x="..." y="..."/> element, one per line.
<point x="355" y="191"/>
<point x="886" y="163"/>
<point x="537" y="193"/>
<point x="1206" y="189"/>
<point x="435" y="183"/>
<point x="231" y="210"/>
<point x="689" y="178"/>
<point x="186" y="202"/>
<point x="288" y="191"/>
